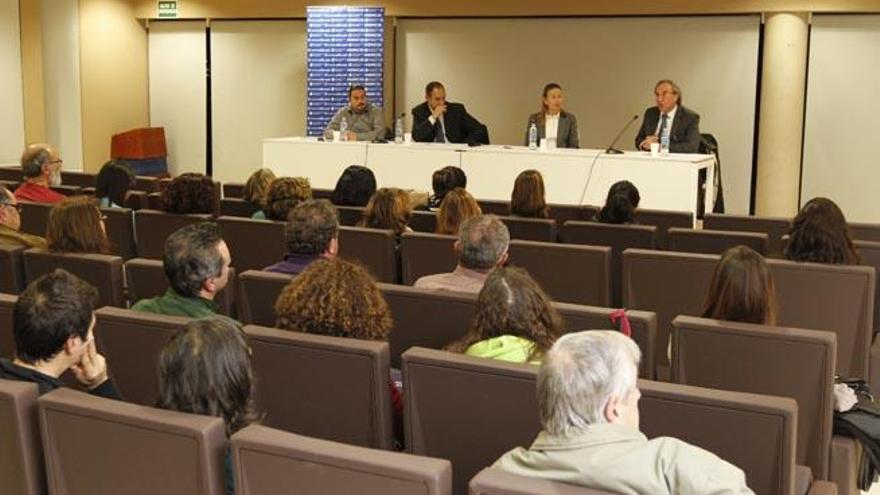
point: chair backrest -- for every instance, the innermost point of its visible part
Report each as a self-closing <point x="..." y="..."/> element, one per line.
<point x="784" y="362"/>
<point x="21" y="464"/>
<point x="664" y="220"/>
<point x="350" y="215"/>
<point x="146" y="279"/>
<point x="714" y="241"/>
<point x="319" y="193"/>
<point x="103" y="271"/>
<point x="237" y="207"/>
<point x="154" y="199"/>
<point x="240" y="235"/>
<point x="233" y="189"/>
<point x="564" y="213"/>
<point x="67" y="190"/>
<point x="865" y="231"/>
<point x="719" y="421"/>
<point x="136" y="200"/>
<point x="7" y="342"/>
<point x="870" y="253"/>
<point x="491" y="481"/>
<point x="146" y="183"/>
<point x="531" y="229"/>
<point x="131" y="342"/>
<point x="79" y="179"/>
<point x="152" y="227"/>
<point x="453" y="404"/>
<point x="257" y="293"/>
<point x="618" y="238"/>
<point x="11" y="269"/>
<point x="493" y="207"/>
<point x="34" y="217"/>
<point x="423" y="221"/>
<point x="774" y="227"/>
<point x="375" y="249"/>
<point x="426" y="254"/>
<point x="268" y="461"/>
<point x="568" y="273"/>
<point x="132" y="449"/>
<point x="11" y="174"/>
<point x="120" y="231"/>
<point x="334" y="388"/>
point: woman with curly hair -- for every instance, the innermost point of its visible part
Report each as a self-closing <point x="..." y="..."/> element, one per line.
<point x="515" y="320"/>
<point x="284" y="194"/>
<point x="457" y="206"/>
<point x="206" y="369"/>
<point x="527" y="199"/>
<point x="190" y="193"/>
<point x="76" y="225"/>
<point x="389" y="209"/>
<point x="819" y="234"/>
<point x="257" y="188"/>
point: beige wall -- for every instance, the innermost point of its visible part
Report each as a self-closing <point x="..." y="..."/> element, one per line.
<point x="32" y="71"/>
<point x="113" y="64"/>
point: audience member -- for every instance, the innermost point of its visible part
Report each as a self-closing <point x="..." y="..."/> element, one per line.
<point x="515" y="320"/>
<point x="113" y="183"/>
<point x="10" y="223"/>
<point x="457" y="206"/>
<point x="312" y="233"/>
<point x="190" y="193"/>
<point x="206" y="369"/>
<point x="819" y="234"/>
<point x="481" y="246"/>
<point x="742" y="289"/>
<point x="443" y="181"/>
<point x="527" y="199"/>
<point x="52" y="325"/>
<point x="620" y="204"/>
<point x="588" y="401"/>
<point x="284" y="194"/>
<point x="256" y="189"/>
<point x="196" y="264"/>
<point x="355" y="187"/>
<point x="76" y="225"/>
<point x="389" y="209"/>
<point x="41" y="169"/>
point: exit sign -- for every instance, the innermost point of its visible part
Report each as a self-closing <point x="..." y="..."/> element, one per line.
<point x="167" y="9"/>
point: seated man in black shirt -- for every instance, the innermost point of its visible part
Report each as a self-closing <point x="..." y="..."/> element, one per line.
<point x="52" y="326"/>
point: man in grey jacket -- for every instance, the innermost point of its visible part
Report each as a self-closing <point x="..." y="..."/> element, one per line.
<point x="589" y="406"/>
<point x="364" y="121"/>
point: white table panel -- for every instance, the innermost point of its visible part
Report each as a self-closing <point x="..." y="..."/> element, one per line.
<point x="321" y="162"/>
<point x="410" y="166"/>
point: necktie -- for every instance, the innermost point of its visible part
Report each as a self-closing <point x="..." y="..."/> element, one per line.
<point x="439" y="132"/>
<point x="663" y="120"/>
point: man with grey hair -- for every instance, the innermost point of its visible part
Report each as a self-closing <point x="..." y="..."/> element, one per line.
<point x="481" y="246"/>
<point x="40" y="168"/>
<point x="312" y="233"/>
<point x="10" y="224"/>
<point x="196" y="263"/>
<point x="670" y="117"/>
<point x="589" y="406"/>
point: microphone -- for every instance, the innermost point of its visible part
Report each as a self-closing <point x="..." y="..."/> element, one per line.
<point x="611" y="150"/>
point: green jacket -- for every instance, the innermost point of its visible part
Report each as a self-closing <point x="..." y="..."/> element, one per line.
<point x="173" y="304"/>
<point x="13" y="237"/>
<point x="505" y="348"/>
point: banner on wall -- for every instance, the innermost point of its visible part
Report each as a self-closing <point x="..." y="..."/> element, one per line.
<point x="345" y="47"/>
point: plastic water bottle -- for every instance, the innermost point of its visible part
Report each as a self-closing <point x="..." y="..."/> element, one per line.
<point x="398" y="130"/>
<point x="533" y="136"/>
<point x="343" y="129"/>
<point x="664" y="142"/>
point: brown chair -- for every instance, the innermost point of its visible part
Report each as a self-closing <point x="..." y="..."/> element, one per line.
<point x="322" y="193"/>
<point x="864" y="231"/>
<point x="146" y="184"/>
<point x="333" y="388"/>
<point x="780" y="361"/>
<point x="269" y="461"/>
<point x="11" y="174"/>
<point x="257" y="293"/>
<point x="491" y="481"/>
<point x="11" y="269"/>
<point x="7" y="341"/>
<point x="423" y="221"/>
<point x="67" y="190"/>
<point x="531" y="229"/>
<point x="869" y="252"/>
<point x="664" y="220"/>
<point x="237" y="207"/>
<point x="120" y="230"/>
<point x="494" y="207"/>
<point x="146" y="279"/>
<point x="21" y="464"/>
<point x="132" y="449"/>
<point x="774" y="227"/>
<point x="136" y="200"/>
<point x="568" y="273"/>
<point x="564" y="213"/>
<point x="131" y="342"/>
<point x="233" y="189"/>
<point x="103" y="271"/>
<point x="253" y="244"/>
<point x="350" y="215"/>
<point x="426" y="254"/>
<point x="34" y="217"/>
<point x="78" y="179"/>
<point x="154" y="199"/>
<point x="10" y="184"/>
<point x="713" y="241"/>
<point x="375" y="249"/>
<point x="618" y="238"/>
<point x="152" y="227"/>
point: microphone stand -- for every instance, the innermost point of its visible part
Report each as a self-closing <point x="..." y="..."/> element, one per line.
<point x="611" y="150"/>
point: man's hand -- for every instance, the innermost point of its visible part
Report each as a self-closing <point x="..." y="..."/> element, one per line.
<point x="437" y="111"/>
<point x="91" y="370"/>
<point x="646" y="143"/>
<point x="350" y="136"/>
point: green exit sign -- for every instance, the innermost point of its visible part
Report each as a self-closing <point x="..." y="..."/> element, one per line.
<point x="167" y="9"/>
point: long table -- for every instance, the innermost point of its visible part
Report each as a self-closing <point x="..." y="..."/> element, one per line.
<point x="570" y="176"/>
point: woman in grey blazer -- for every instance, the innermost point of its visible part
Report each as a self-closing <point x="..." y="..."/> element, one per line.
<point x="553" y="118"/>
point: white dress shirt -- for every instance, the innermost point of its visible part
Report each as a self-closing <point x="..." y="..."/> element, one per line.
<point x="551" y="126"/>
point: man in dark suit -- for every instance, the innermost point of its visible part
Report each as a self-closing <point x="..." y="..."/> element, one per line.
<point x="439" y="121"/>
<point x="683" y="123"/>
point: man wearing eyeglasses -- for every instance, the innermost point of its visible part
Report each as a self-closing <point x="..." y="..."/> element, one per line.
<point x="10" y="223"/>
<point x="41" y="169"/>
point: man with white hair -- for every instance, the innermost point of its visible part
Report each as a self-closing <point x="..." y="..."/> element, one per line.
<point x="589" y="407"/>
<point x="41" y="169"/>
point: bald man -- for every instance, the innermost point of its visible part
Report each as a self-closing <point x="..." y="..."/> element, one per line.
<point x="41" y="168"/>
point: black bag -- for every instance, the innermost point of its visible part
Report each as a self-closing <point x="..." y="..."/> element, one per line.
<point x="862" y="423"/>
